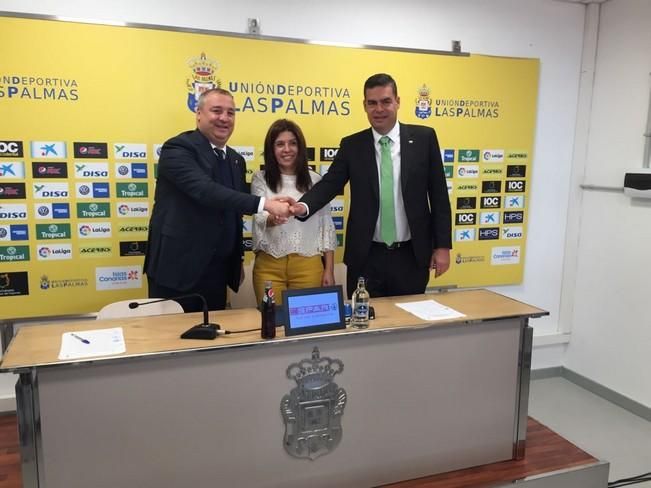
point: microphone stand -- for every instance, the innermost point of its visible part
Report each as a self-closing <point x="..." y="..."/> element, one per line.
<point x="205" y="330"/>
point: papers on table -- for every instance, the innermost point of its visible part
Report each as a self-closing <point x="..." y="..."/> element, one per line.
<point x="430" y="310"/>
<point x="89" y="343"/>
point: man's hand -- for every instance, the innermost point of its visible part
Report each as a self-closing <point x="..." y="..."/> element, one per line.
<point x="298" y="209"/>
<point x="440" y="261"/>
<point x="279" y="207"/>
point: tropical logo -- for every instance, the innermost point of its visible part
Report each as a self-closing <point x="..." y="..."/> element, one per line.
<point x="203" y="71"/>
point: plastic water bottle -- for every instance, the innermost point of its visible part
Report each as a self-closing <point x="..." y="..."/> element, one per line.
<point x="360" y="305"/>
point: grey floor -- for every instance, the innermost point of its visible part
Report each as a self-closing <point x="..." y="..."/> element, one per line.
<point x="595" y="425"/>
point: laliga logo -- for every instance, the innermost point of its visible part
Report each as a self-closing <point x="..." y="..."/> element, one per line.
<point x="203" y="79"/>
<point x="123" y="209"/>
<point x="44" y="252"/>
<point x="84" y="230"/>
<point x="423" y="103"/>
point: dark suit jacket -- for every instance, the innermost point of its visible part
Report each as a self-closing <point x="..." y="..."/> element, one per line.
<point x="424" y="191"/>
<point x="189" y="213"/>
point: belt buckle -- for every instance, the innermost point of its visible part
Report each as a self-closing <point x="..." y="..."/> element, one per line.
<point x="393" y="246"/>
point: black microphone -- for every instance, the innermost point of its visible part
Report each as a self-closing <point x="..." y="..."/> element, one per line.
<point x="204" y="330"/>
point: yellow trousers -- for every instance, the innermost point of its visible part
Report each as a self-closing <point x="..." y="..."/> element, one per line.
<point x="289" y="272"/>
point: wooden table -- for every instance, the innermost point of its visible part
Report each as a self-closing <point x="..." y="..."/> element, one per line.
<point x="420" y="398"/>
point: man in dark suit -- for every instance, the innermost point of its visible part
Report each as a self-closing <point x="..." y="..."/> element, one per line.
<point x="399" y="221"/>
<point x="195" y="231"/>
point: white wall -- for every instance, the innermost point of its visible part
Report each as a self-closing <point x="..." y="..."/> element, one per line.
<point x="611" y="324"/>
<point x="546" y="29"/>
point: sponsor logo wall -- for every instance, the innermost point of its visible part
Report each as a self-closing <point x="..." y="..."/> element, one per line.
<point x="76" y="192"/>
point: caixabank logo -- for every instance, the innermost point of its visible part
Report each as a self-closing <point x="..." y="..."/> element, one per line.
<point x="12" y="170"/>
<point x="14" y="283"/>
<point x="48" y="149"/>
<point x="464" y="235"/>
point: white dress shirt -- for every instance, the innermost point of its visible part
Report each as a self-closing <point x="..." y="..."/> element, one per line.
<point x="309" y="238"/>
<point x="402" y="226"/>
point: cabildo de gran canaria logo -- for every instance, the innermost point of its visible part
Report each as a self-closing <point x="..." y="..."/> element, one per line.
<point x="423" y="103"/>
<point x="268" y="96"/>
<point x="202" y="78"/>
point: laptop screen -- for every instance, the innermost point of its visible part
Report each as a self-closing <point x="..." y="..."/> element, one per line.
<point x="313" y="310"/>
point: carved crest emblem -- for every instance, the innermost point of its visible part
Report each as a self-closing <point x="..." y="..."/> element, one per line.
<point x="312" y="410"/>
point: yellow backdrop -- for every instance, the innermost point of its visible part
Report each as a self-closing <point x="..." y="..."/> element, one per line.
<point x="85" y="109"/>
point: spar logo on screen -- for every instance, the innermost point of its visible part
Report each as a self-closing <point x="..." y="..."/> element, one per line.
<point x="118" y="277"/>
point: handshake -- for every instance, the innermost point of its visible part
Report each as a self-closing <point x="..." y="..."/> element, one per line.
<point x="281" y="208"/>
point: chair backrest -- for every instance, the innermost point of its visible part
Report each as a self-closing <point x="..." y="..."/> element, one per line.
<point x="121" y="309"/>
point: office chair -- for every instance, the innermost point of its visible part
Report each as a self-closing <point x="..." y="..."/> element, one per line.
<point x="121" y="309"/>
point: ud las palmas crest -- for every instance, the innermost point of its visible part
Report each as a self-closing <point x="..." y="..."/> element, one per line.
<point x="313" y="409"/>
<point x="423" y="103"/>
<point x="202" y="79"/>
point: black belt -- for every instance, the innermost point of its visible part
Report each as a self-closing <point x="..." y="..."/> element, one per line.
<point x="390" y="247"/>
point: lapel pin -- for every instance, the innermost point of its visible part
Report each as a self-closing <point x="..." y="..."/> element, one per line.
<point x="410" y="141"/>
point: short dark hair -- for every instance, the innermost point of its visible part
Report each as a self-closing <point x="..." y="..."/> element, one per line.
<point x="203" y="95"/>
<point x="271" y="169"/>
<point x="381" y="79"/>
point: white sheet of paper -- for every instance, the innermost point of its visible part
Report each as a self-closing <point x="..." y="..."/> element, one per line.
<point x="430" y="310"/>
<point x="100" y="342"/>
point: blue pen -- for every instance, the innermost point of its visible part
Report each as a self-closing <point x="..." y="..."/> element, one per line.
<point x="85" y="341"/>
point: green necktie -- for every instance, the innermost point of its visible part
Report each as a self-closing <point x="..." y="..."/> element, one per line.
<point x="387" y="208"/>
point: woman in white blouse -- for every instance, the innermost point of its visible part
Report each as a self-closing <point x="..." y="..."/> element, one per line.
<point x="289" y="253"/>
